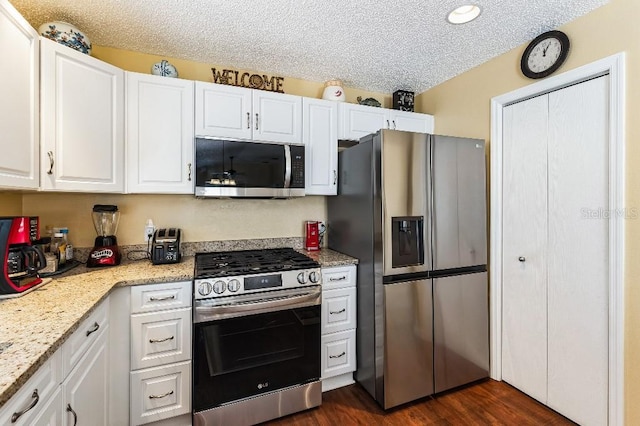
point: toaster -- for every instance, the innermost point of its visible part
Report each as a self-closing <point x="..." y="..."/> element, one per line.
<point x="165" y="246"/>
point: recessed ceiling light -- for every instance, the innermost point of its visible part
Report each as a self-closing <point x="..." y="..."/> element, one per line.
<point x="464" y="14"/>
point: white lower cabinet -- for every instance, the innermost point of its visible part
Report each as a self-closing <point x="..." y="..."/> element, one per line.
<point x="338" y="342"/>
<point x="160" y="377"/>
<point x="86" y="389"/>
<point x="51" y="413"/>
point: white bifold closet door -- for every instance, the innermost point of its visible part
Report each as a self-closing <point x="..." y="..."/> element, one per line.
<point x="555" y="249"/>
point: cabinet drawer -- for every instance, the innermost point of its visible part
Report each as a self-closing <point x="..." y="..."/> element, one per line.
<point x="38" y="388"/>
<point x="160" y="393"/>
<point x="156" y="297"/>
<point x="338" y="353"/>
<point x="160" y="338"/>
<point x="338" y="310"/>
<point x="338" y="277"/>
<point x="81" y="339"/>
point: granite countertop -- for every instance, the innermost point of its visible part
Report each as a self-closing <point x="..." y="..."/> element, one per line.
<point x="35" y="325"/>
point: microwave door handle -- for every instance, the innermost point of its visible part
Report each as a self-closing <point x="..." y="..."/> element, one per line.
<point x="287" y="168"/>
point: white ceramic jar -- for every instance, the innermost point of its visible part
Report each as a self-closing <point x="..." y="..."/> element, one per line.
<point x="333" y="91"/>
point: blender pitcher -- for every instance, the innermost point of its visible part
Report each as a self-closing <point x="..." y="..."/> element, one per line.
<point x="105" y="251"/>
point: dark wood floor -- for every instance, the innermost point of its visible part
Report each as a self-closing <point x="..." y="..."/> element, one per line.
<point x="484" y="403"/>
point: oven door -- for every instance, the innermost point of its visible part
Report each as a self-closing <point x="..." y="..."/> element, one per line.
<point x="263" y="350"/>
<point x="227" y="168"/>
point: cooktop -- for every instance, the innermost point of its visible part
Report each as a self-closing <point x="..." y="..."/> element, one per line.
<point x="243" y="262"/>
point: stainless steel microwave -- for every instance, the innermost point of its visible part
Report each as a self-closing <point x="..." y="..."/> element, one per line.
<point x="231" y="168"/>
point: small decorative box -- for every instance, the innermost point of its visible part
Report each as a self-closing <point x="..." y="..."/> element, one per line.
<point x="403" y="100"/>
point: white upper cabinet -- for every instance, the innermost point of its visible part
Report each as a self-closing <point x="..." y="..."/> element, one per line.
<point x="159" y="134"/>
<point x="277" y="117"/>
<point x="357" y="121"/>
<point x="19" y="90"/>
<point x="236" y="112"/>
<point x="410" y="121"/>
<point x="82" y="118"/>
<point x="320" y="136"/>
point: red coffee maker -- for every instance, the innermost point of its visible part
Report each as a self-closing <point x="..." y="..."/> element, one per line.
<point x="313" y="235"/>
<point x="21" y="261"/>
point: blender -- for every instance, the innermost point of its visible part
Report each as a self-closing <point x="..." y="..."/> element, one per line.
<point x="105" y="251"/>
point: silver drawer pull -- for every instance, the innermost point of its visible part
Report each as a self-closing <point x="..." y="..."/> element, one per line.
<point x="95" y="328"/>
<point x="338" y="356"/>
<point x="338" y="312"/>
<point x="17" y="415"/>
<point x="342" y="278"/>
<point x="160" y="396"/>
<point x="160" y="340"/>
<point x="160" y="299"/>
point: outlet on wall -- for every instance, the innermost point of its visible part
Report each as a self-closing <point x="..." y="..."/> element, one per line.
<point x="149" y="229"/>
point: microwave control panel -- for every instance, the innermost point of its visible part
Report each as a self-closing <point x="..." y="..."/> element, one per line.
<point x="297" y="166"/>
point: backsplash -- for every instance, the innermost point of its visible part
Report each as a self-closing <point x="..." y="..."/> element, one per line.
<point x="200" y="220"/>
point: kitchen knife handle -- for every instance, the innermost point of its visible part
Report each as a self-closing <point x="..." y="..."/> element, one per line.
<point x="189" y="169"/>
<point x="17" y="415"/>
<point x="248" y="120"/>
<point x="50" y="154"/>
<point x="256" y="121"/>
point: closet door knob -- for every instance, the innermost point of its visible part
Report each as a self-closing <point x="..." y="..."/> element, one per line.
<point x="521" y="259"/>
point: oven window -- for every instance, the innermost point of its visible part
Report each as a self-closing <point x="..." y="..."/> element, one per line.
<point x="239" y="164"/>
<point x="241" y="357"/>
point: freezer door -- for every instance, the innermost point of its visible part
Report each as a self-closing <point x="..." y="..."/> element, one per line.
<point x="461" y="330"/>
<point x="458" y="212"/>
<point x="408" y="349"/>
<point x="405" y="189"/>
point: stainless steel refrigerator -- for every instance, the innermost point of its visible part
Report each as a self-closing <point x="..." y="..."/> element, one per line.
<point x="412" y="208"/>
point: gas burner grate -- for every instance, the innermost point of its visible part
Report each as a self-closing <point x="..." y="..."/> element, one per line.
<point x="244" y="262"/>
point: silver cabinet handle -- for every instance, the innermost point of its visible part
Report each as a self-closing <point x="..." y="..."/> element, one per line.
<point x="160" y="396"/>
<point x="17" y="415"/>
<point x="50" y="154"/>
<point x="160" y="340"/>
<point x="338" y="312"/>
<point x="342" y="278"/>
<point x="93" y="329"/>
<point x="338" y="356"/>
<point x="75" y="416"/>
<point x="248" y="120"/>
<point x="335" y="177"/>
<point x="189" y="170"/>
<point x="256" y="121"/>
<point x="160" y="299"/>
<point x="394" y="124"/>
<point x="521" y="259"/>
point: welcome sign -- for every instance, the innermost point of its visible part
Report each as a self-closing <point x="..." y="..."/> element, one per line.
<point x="245" y="79"/>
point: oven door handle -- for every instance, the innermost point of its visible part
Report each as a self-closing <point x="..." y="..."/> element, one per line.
<point x="268" y="305"/>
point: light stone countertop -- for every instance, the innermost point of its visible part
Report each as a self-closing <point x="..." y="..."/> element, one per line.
<point x="35" y="325"/>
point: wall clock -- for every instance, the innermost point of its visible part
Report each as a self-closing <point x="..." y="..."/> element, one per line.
<point x="545" y="54"/>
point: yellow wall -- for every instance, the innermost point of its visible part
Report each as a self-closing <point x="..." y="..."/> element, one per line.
<point x="10" y="204"/>
<point x="462" y="107"/>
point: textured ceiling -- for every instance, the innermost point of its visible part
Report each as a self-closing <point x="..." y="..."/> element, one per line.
<point x="378" y="45"/>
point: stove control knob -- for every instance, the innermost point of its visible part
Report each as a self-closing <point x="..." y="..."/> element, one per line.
<point x="205" y="288"/>
<point x="314" y="277"/>
<point x="234" y="285"/>
<point x="302" y="279"/>
<point x="219" y="287"/>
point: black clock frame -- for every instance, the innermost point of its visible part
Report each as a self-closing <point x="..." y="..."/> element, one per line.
<point x="564" y="52"/>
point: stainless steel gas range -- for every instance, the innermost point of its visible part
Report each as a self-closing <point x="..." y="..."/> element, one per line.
<point x="256" y="336"/>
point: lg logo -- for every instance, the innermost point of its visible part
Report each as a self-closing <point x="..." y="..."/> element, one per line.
<point x="263" y="385"/>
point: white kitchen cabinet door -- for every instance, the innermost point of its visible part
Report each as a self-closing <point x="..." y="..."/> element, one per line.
<point x="86" y="388"/>
<point x="159" y="134"/>
<point x="524" y="330"/>
<point x="223" y="111"/>
<point x="357" y="121"/>
<point x="277" y="117"/>
<point x="320" y="137"/>
<point x="410" y="121"/>
<point x="82" y="117"/>
<point x="20" y="92"/>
